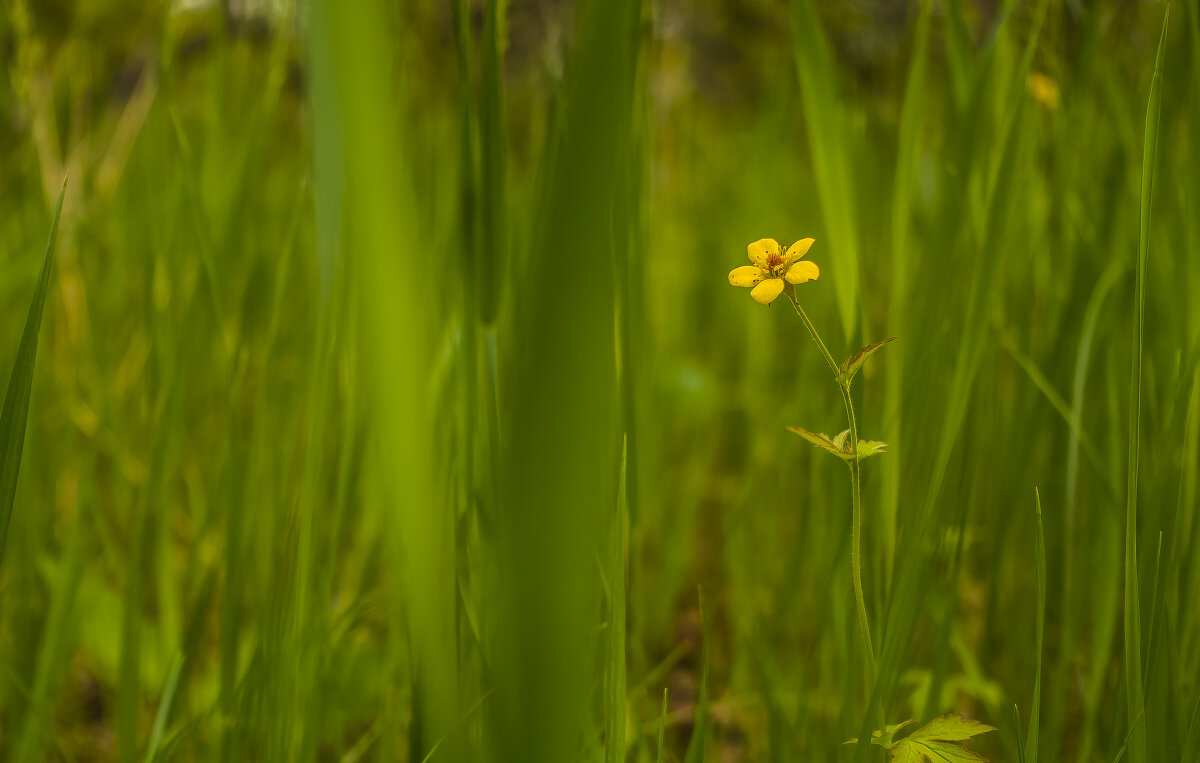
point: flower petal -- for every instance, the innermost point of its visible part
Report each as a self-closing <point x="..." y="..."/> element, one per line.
<point x="761" y="250"/>
<point x="746" y="275"/>
<point x="766" y="292"/>
<point x="797" y="250"/>
<point x="803" y="271"/>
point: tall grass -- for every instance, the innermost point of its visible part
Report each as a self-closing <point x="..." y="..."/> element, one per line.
<point x="390" y="402"/>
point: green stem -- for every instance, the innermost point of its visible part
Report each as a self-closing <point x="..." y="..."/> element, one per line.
<point x="812" y="330"/>
<point x="864" y="626"/>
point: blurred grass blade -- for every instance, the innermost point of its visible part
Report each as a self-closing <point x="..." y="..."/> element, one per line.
<point x="1155" y="599"/>
<point x="958" y="44"/>
<point x="20" y="382"/>
<point x="56" y="643"/>
<point x="560" y="413"/>
<point x="1020" y="738"/>
<point x="985" y="272"/>
<point x="1191" y="741"/>
<point x="1135" y="693"/>
<point x="1102" y="634"/>
<point x="328" y="160"/>
<point x="1035" y="714"/>
<point x="1091" y="316"/>
<point x="662" y="728"/>
<point x="911" y="119"/>
<point x="614" y="735"/>
<point x="383" y="228"/>
<point x="828" y="134"/>
<point x="493" y="149"/>
<point x="1068" y="415"/>
<point x="164" y="708"/>
<point x="695" y="750"/>
<point x="1137" y="724"/>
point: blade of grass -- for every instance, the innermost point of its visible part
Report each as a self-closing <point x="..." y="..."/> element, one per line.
<point x="164" y="708"/>
<point x="15" y="415"/>
<point x="493" y="152"/>
<point x="1137" y="723"/>
<point x="1031" y="739"/>
<point x="1135" y="696"/>
<point x="696" y="746"/>
<point x="1061" y="684"/>
<point x="614" y="735"/>
<point x="1046" y="387"/>
<point x="1091" y="316"/>
<point x="911" y="120"/>
<point x="1155" y="598"/>
<point x="958" y="43"/>
<point x="1020" y="739"/>
<point x="1191" y="741"/>
<point x="140" y="575"/>
<point x="911" y="572"/>
<point x="560" y="415"/>
<point x="382" y="225"/>
<point x="57" y="642"/>
<point x="662" y="728"/>
<point x="466" y="717"/>
<point x="1105" y="584"/>
<point x="1187" y="532"/>
<point x="828" y="133"/>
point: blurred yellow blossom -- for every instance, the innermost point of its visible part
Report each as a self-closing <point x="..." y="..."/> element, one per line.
<point x="772" y="267"/>
<point x="1043" y="89"/>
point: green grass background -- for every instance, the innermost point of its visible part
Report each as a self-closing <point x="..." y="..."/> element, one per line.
<point x="391" y="402"/>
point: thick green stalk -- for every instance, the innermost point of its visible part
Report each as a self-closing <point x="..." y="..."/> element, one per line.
<point x="864" y="626"/>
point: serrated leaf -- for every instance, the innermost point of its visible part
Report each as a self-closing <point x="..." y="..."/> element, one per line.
<point x="852" y="365"/>
<point x="868" y="448"/>
<point x="907" y="751"/>
<point x="934" y="742"/>
<point x="839" y="445"/>
<point x="822" y="441"/>
<point x="951" y="728"/>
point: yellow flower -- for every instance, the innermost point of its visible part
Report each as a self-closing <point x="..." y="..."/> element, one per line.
<point x="772" y="267"/>
<point x="1043" y="89"/>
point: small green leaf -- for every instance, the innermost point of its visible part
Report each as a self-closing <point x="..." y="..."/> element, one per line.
<point x="935" y="742"/>
<point x="840" y="440"/>
<point x="851" y="365"/>
<point x="951" y="728"/>
<point x="868" y="448"/>
<point x="839" y="445"/>
<point x="824" y="442"/>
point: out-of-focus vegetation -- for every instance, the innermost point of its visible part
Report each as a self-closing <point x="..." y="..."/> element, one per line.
<point x="391" y="402"/>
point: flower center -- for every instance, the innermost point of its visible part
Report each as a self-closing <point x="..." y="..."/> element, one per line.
<point x="774" y="262"/>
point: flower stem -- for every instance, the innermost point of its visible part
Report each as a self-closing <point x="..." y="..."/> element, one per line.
<point x="864" y="626"/>
<point x="812" y="330"/>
